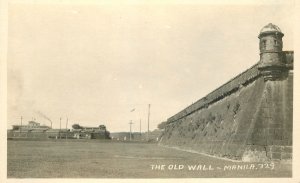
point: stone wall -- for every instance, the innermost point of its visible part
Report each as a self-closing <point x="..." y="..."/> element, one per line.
<point x="248" y="118"/>
<point x="228" y="88"/>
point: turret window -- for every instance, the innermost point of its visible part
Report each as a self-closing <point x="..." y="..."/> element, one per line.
<point x="264" y="44"/>
<point x="275" y="42"/>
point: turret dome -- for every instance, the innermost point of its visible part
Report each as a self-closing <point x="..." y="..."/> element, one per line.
<point x="270" y="28"/>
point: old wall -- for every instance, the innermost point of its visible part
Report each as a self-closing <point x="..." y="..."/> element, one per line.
<point x="248" y="118"/>
<point x="226" y="89"/>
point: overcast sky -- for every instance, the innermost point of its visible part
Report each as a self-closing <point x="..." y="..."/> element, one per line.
<point x="95" y="63"/>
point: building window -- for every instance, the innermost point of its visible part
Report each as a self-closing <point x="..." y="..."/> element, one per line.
<point x="275" y="42"/>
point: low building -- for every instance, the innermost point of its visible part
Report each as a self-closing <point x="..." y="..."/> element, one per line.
<point x="36" y="131"/>
<point x="31" y="130"/>
<point x="59" y="133"/>
<point x="32" y="125"/>
<point x="83" y="132"/>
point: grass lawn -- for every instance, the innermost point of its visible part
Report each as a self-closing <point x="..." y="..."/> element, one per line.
<point x="106" y="159"/>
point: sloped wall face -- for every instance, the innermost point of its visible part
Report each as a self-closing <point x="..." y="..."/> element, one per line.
<point x="272" y="131"/>
<point x="245" y="125"/>
<point x="222" y="128"/>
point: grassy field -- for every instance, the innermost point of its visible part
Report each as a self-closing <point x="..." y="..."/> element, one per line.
<point x="104" y="159"/>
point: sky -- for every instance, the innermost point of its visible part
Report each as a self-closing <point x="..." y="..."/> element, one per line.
<point x="95" y="63"/>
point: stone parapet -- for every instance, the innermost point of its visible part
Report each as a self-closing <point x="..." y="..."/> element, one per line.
<point x="226" y="89"/>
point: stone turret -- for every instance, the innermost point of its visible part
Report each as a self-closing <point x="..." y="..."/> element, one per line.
<point x="271" y="63"/>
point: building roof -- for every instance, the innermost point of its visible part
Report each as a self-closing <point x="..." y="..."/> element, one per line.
<point x="33" y="122"/>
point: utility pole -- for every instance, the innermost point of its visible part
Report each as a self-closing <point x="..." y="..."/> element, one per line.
<point x="59" y="127"/>
<point x="67" y="129"/>
<point x="21" y="125"/>
<point x="130" y="130"/>
<point x="141" y="128"/>
<point x="148" y="121"/>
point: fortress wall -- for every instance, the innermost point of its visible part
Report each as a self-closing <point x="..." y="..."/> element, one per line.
<point x="231" y="86"/>
<point x="247" y="119"/>
<point x="273" y="126"/>
<point x="218" y="129"/>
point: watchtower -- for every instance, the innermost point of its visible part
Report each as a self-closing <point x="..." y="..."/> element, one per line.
<point x="271" y="63"/>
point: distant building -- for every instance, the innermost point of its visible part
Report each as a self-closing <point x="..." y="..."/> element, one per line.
<point x="35" y="130"/>
<point x="99" y="132"/>
<point x="32" y="125"/>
